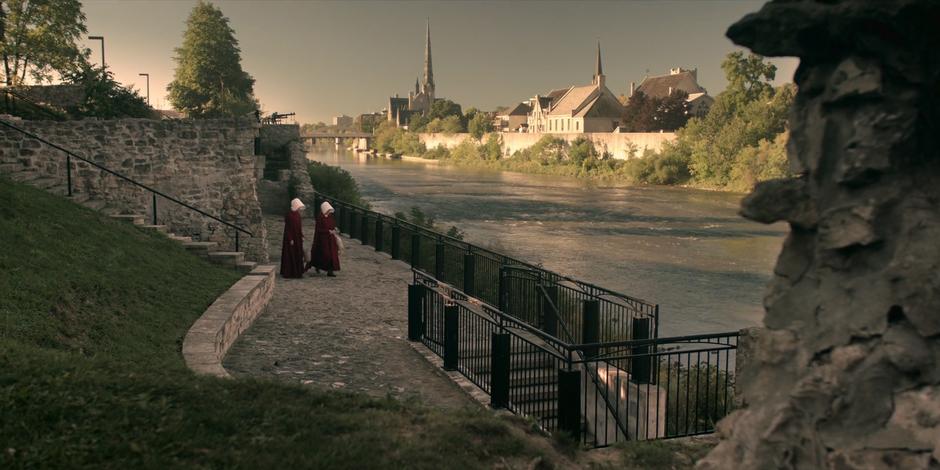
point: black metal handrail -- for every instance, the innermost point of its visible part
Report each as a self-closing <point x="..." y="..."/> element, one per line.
<point x="624" y="302"/>
<point x="647" y="389"/>
<point x="30" y="101"/>
<point x="70" y="154"/>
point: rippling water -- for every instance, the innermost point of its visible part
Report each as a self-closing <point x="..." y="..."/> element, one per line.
<point x="687" y="250"/>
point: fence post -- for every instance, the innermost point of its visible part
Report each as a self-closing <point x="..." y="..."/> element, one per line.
<point x="415" y="308"/>
<point x="569" y="402"/>
<point x="415" y="250"/>
<point x="549" y="315"/>
<point x="154" y="206"/>
<point x="592" y="323"/>
<point x="68" y="172"/>
<point x="500" y="288"/>
<point x="396" y="241"/>
<point x="451" y="336"/>
<point x="379" y="236"/>
<point x="469" y="273"/>
<point x="640" y="366"/>
<point x="364" y="228"/>
<point x="499" y="381"/>
<point x="439" y="260"/>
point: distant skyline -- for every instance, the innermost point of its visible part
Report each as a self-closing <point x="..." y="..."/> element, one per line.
<point x="321" y="59"/>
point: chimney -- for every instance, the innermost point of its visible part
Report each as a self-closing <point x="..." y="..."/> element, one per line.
<point x="632" y="88"/>
<point x="694" y="74"/>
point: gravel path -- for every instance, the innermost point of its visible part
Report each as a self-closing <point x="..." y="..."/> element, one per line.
<point x="344" y="333"/>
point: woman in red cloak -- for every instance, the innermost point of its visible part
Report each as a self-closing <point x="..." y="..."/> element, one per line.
<point x="324" y="253"/>
<point x="292" y="251"/>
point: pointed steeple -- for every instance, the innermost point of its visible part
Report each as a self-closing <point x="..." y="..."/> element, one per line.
<point x="598" y="69"/>
<point x="428" y="71"/>
<point x="416" y="86"/>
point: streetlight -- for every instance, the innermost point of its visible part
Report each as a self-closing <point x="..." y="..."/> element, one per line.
<point x="99" y="38"/>
<point x="148" y="85"/>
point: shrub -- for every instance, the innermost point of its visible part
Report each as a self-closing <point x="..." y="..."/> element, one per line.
<point x="335" y="182"/>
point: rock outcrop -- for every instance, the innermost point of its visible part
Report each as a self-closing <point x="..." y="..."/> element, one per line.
<point x="848" y="370"/>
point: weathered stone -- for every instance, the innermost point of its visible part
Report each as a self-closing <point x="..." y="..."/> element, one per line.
<point x="847" y="371"/>
<point x="166" y="155"/>
<point x="780" y="199"/>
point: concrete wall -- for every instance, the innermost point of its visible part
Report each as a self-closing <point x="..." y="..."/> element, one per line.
<point x="208" y="164"/>
<point x="619" y="145"/>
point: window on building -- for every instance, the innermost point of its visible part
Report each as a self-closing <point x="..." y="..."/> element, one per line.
<point x="577" y="126"/>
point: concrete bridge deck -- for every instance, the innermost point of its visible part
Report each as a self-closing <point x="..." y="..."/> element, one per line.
<point x="344" y="333"/>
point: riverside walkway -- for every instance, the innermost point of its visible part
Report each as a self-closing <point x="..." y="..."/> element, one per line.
<point x="345" y="333"/>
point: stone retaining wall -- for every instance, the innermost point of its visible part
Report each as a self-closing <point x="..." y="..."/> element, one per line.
<point x="209" y="164"/>
<point x="232" y="313"/>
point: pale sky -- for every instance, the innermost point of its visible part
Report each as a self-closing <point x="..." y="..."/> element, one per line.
<point x="325" y="58"/>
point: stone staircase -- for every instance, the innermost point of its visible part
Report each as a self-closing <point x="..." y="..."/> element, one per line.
<point x="12" y="169"/>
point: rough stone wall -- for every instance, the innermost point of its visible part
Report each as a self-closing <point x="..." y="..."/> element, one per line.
<point x="619" y="145"/>
<point x="847" y="373"/>
<point x="299" y="176"/>
<point x="283" y="141"/>
<point x="208" y="164"/>
<point x="275" y="136"/>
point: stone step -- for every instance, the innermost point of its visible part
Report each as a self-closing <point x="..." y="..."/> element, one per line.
<point x="25" y="176"/>
<point x="200" y="248"/>
<point x="78" y="198"/>
<point x="94" y="204"/>
<point x="10" y="167"/>
<point x="227" y="258"/>
<point x="158" y="228"/>
<point x="531" y="393"/>
<point x="44" y="183"/>
<point x="179" y="238"/>
<point x="246" y="266"/>
<point x="135" y="219"/>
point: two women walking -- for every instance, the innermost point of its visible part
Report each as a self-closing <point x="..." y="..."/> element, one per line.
<point x="324" y="252"/>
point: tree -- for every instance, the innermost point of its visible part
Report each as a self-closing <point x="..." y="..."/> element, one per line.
<point x="104" y="97"/>
<point x="650" y="114"/>
<point x="38" y="39"/>
<point x="748" y="79"/>
<point x="441" y="109"/>
<point x="209" y="81"/>
<point x="478" y="125"/>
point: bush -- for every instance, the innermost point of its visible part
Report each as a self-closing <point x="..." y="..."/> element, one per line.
<point x="666" y="167"/>
<point x="105" y="98"/>
<point x="335" y="182"/>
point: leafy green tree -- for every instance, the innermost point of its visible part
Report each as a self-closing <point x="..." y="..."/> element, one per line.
<point x="209" y="81"/>
<point x="441" y="109"/>
<point x="493" y="148"/>
<point x="649" y="114"/>
<point x="748" y="77"/>
<point x="104" y="97"/>
<point x="38" y="38"/>
<point x="478" y="125"/>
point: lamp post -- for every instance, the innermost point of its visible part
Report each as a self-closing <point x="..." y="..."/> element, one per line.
<point x="99" y="38"/>
<point x="148" y="85"/>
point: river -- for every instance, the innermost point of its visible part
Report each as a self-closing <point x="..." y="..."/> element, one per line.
<point x="685" y="249"/>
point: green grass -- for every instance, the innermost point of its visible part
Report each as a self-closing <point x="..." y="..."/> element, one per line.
<point x="92" y="316"/>
<point x="663" y="455"/>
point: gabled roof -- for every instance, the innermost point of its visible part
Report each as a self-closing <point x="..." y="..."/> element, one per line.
<point x="557" y="93"/>
<point x="572" y="101"/>
<point x="521" y="109"/>
<point x="658" y="87"/>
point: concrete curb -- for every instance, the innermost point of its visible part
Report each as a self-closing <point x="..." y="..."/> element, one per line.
<point x="232" y="313"/>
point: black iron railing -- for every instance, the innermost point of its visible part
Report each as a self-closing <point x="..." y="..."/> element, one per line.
<point x="514" y="286"/>
<point x="602" y="392"/>
<point x="154" y="193"/>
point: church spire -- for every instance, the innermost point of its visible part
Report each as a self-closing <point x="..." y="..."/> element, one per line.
<point x="598" y="69"/>
<point x="428" y="71"/>
<point x="416" y="86"/>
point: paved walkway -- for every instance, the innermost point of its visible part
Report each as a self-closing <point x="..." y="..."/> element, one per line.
<point x="345" y="333"/>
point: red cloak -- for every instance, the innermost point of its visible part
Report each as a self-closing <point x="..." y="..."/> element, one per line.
<point x="292" y="251"/>
<point x="324" y="254"/>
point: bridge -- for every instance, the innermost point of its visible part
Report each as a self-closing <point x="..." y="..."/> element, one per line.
<point x="314" y="136"/>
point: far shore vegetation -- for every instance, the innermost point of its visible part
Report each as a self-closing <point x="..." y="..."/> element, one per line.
<point x="739" y="142"/>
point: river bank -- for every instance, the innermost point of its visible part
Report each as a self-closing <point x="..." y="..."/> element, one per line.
<point x="685" y="249"/>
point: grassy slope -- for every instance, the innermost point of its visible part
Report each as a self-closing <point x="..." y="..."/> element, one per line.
<point x="92" y="314"/>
